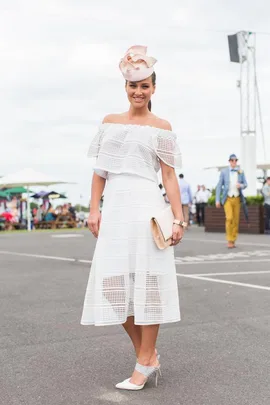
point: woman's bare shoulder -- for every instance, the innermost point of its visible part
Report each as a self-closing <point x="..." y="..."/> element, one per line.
<point x="113" y="118"/>
<point x="162" y="124"/>
<point x="123" y="118"/>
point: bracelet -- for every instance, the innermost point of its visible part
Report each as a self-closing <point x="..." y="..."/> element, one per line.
<point x="180" y="223"/>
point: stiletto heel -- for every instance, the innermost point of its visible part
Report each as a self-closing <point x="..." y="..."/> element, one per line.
<point x="147" y="371"/>
<point x="156" y="379"/>
<point x="158" y="374"/>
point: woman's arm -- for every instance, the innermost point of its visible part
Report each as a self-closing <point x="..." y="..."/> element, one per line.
<point x="94" y="218"/>
<point x="98" y="185"/>
<point x="170" y="181"/>
<point x="172" y="190"/>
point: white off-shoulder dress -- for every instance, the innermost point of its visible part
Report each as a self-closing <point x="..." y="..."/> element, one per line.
<point x="129" y="275"/>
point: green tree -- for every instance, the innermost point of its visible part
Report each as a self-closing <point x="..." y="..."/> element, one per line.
<point x="33" y="205"/>
<point x="79" y="208"/>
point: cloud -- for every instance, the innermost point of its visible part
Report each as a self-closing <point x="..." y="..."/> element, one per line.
<point x="59" y="76"/>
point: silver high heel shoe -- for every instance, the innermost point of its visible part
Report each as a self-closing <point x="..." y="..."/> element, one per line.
<point x="147" y="371"/>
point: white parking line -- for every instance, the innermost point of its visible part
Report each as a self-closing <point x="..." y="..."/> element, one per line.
<point x="223" y="261"/>
<point x="236" y="273"/>
<point x="224" y="242"/>
<point x="202" y="277"/>
<point x="224" y="256"/>
<point x="70" y="259"/>
<point x="216" y="280"/>
<point x="65" y="259"/>
<point x="85" y="261"/>
<point x="68" y="235"/>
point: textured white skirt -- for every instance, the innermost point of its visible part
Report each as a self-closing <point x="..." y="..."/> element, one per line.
<point x="129" y="276"/>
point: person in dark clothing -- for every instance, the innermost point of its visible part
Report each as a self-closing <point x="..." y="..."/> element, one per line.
<point x="266" y="195"/>
<point x="72" y="211"/>
<point x="198" y="216"/>
<point x="202" y="197"/>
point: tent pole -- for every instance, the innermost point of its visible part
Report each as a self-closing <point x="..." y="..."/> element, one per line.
<point x="28" y="210"/>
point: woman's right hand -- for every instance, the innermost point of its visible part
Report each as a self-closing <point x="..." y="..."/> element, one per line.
<point x="93" y="222"/>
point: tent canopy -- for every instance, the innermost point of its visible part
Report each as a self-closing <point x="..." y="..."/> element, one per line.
<point x="48" y="194"/>
<point x="27" y="178"/>
<point x="3" y="195"/>
<point x="15" y="190"/>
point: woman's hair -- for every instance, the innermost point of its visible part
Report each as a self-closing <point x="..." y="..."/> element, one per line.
<point x="153" y="77"/>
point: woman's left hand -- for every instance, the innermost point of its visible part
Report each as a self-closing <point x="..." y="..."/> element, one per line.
<point x="177" y="234"/>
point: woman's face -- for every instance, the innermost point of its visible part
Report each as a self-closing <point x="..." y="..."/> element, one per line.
<point x="139" y="93"/>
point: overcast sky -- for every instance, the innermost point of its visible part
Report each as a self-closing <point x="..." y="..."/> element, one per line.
<point x="59" y="76"/>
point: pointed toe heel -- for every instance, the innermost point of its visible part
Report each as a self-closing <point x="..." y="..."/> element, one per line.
<point x="127" y="385"/>
<point x="147" y="371"/>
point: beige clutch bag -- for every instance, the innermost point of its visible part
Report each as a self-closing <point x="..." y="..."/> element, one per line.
<point x="161" y="227"/>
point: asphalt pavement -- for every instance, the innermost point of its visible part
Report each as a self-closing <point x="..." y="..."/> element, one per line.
<point x="219" y="354"/>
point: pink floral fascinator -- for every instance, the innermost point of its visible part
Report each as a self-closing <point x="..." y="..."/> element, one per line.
<point x="135" y="65"/>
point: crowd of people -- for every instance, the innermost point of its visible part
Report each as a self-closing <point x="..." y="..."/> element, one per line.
<point x="14" y="214"/>
<point x="50" y="214"/>
<point x="193" y="205"/>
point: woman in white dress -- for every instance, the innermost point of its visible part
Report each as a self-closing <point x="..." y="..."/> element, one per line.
<point x="131" y="281"/>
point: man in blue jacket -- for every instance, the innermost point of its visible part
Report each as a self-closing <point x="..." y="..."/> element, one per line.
<point x="231" y="183"/>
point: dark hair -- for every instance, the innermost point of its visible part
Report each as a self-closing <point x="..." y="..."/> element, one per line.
<point x="181" y="176"/>
<point x="154" y="78"/>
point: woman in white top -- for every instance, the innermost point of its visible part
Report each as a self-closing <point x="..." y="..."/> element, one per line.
<point x="132" y="282"/>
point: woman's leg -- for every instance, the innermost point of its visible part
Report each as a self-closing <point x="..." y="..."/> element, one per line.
<point x="147" y="355"/>
<point x="134" y="332"/>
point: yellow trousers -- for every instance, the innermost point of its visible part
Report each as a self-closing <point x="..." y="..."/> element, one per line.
<point x="232" y="213"/>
